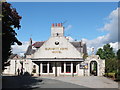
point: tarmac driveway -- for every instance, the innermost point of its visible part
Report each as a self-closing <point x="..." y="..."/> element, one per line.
<point x="57" y="82"/>
<point x="88" y="81"/>
<point x="34" y="83"/>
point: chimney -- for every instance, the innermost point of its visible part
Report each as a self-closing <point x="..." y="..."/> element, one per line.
<point x="57" y="25"/>
<point x="30" y="41"/>
<point x="56" y="29"/>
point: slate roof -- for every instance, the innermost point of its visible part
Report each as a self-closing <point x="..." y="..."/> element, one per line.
<point x="38" y="44"/>
<point x="29" y="50"/>
<point x="77" y="45"/>
<point x="12" y="56"/>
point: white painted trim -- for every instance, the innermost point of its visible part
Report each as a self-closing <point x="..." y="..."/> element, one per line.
<point x="71" y="68"/>
<point x="58" y="60"/>
<point x="41" y="68"/>
<point x="64" y="67"/>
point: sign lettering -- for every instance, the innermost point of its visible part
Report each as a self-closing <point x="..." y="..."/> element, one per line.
<point x="56" y="50"/>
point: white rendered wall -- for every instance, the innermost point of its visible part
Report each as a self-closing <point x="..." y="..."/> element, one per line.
<point x="63" y="44"/>
<point x="55" y="30"/>
<point x="80" y="71"/>
<point x="15" y="65"/>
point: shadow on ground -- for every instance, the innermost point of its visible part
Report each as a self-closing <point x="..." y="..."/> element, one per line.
<point x="23" y="81"/>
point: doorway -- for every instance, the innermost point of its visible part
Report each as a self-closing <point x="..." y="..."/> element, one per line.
<point x="93" y="68"/>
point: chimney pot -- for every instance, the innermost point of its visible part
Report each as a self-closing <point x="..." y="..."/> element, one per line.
<point x="59" y="24"/>
<point x="53" y="25"/>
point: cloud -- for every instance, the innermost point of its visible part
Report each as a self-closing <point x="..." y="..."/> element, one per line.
<point x="112" y="26"/>
<point x="111" y="37"/>
<point x="115" y="46"/>
<point x="20" y="50"/>
<point x="68" y="27"/>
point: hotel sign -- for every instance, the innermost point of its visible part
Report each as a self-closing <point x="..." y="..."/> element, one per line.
<point x="84" y="66"/>
<point x="56" y="50"/>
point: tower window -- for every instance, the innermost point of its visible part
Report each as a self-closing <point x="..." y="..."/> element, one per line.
<point x="57" y="34"/>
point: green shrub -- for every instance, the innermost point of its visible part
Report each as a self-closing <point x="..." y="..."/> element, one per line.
<point x="110" y="75"/>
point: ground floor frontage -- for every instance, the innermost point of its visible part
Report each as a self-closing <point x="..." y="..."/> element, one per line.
<point x="62" y="68"/>
<point x="91" y="66"/>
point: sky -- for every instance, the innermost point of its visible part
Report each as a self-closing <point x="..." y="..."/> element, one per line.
<point x="63" y="0"/>
<point x="95" y="23"/>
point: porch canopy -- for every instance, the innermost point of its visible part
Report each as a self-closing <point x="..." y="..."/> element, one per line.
<point x="57" y="59"/>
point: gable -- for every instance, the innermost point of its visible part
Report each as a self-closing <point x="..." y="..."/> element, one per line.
<point x="57" y="47"/>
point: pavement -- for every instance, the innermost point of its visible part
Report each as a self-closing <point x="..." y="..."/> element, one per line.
<point x="88" y="81"/>
<point x="52" y="83"/>
<point x="36" y="83"/>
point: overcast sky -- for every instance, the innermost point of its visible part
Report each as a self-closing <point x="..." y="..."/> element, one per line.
<point x="95" y="22"/>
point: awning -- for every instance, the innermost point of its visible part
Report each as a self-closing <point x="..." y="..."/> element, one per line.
<point x="58" y="59"/>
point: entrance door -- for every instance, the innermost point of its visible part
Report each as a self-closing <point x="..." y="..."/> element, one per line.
<point x="93" y="68"/>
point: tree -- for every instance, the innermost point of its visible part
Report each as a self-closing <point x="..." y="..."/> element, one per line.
<point x="118" y="54"/>
<point x="100" y="52"/>
<point x="108" y="54"/>
<point x="10" y="21"/>
<point x="118" y="65"/>
<point x="85" y="56"/>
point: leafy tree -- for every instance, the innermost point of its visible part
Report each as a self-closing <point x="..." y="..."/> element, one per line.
<point x="10" y="21"/>
<point x="85" y="56"/>
<point x="118" y="54"/>
<point x="118" y="65"/>
<point x="108" y="54"/>
<point x="100" y="52"/>
<point x="111" y="65"/>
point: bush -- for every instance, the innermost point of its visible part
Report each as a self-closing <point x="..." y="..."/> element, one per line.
<point x="117" y="77"/>
<point x="110" y="75"/>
